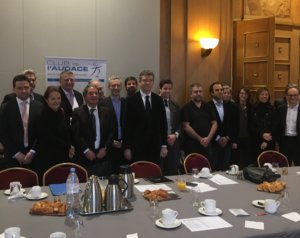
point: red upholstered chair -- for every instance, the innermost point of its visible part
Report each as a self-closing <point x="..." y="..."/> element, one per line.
<point x="271" y="156"/>
<point x="27" y="177"/>
<point x="143" y="169"/>
<point x="59" y="173"/>
<point x="195" y="160"/>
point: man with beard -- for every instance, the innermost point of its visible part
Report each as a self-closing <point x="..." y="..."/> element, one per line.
<point x="199" y="123"/>
<point x="130" y="85"/>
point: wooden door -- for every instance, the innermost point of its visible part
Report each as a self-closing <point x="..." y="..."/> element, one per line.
<point x="253" y="55"/>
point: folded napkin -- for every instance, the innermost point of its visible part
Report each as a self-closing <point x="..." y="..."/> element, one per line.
<point x="58" y="189"/>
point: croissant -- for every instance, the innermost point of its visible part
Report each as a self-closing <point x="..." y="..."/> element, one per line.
<point x="271" y="187"/>
<point x="48" y="208"/>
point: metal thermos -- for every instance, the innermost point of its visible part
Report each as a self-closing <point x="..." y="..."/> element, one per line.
<point x="92" y="197"/>
<point x="113" y="194"/>
<point x="126" y="175"/>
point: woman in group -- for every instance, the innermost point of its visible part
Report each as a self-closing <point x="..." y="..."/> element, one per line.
<point x="54" y="140"/>
<point x="261" y="123"/>
<point x="244" y="149"/>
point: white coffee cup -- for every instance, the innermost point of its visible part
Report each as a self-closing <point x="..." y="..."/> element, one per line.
<point x="12" y="232"/>
<point x="209" y="206"/>
<point x="58" y="234"/>
<point x="36" y="191"/>
<point x="205" y="172"/>
<point x="234" y="169"/>
<point x="168" y="216"/>
<point x="15" y="187"/>
<point x="271" y="205"/>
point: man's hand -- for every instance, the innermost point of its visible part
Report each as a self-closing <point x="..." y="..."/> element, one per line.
<point x="204" y="141"/>
<point x="90" y="155"/>
<point x="28" y="158"/>
<point x="127" y="154"/>
<point x="117" y="144"/>
<point x="171" y="139"/>
<point x="101" y="153"/>
<point x="71" y="151"/>
<point x="163" y="152"/>
<point x="20" y="157"/>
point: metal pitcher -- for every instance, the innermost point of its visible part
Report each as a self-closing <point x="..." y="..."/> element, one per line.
<point x="91" y="201"/>
<point x="113" y="193"/>
<point x="126" y="175"/>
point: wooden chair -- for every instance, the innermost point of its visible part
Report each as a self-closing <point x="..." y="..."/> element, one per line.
<point x="27" y="177"/>
<point x="59" y="173"/>
<point x="143" y="169"/>
<point x="195" y="160"/>
<point x="272" y="156"/>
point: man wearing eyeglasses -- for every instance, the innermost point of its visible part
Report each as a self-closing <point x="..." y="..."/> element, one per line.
<point x="287" y="126"/>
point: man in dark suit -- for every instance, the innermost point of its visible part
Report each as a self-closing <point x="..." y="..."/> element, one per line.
<point x="171" y="162"/>
<point x="70" y="98"/>
<point x="116" y="104"/>
<point x="30" y="74"/>
<point x="130" y="85"/>
<point x="145" y="130"/>
<point x="287" y="126"/>
<point x="93" y="132"/>
<point x="225" y="134"/>
<point x="18" y="124"/>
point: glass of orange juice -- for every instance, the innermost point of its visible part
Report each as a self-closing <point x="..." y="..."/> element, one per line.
<point x="181" y="184"/>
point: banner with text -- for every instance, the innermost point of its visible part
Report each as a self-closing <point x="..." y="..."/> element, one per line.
<point x="83" y="69"/>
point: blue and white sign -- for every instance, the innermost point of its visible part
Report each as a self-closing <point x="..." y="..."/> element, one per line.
<point x="83" y="69"/>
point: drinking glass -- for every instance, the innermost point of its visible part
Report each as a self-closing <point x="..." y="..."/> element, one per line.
<point x="195" y="173"/>
<point x="275" y="166"/>
<point x="103" y="183"/>
<point x="181" y="184"/>
<point x="154" y="211"/>
<point x="195" y="196"/>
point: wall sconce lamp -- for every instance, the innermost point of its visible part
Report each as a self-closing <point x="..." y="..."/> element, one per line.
<point x="208" y="44"/>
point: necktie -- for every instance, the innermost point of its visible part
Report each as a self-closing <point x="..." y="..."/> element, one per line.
<point x="148" y="106"/>
<point x="24" y="116"/>
<point x="166" y="103"/>
<point x="71" y="98"/>
<point x="93" y="118"/>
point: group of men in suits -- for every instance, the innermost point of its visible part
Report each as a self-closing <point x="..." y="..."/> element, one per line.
<point x="110" y="131"/>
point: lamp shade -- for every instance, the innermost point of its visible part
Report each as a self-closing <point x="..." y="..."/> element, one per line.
<point x="209" y="43"/>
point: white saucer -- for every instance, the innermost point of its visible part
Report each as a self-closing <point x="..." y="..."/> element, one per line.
<point x="218" y="212"/>
<point x="7" y="191"/>
<point x="2" y="236"/>
<point x="258" y="203"/>
<point x="136" y="181"/>
<point x="206" y="176"/>
<point x="42" y="196"/>
<point x="160" y="224"/>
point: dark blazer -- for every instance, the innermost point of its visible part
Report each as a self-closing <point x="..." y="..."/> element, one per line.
<point x="82" y="129"/>
<point x="53" y="140"/>
<point x="10" y="96"/>
<point x="65" y="104"/>
<point x="11" y="128"/>
<point x="143" y="134"/>
<point x="279" y="125"/>
<point x="107" y="102"/>
<point x="227" y="127"/>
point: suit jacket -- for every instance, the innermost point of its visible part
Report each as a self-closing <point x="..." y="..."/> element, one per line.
<point x="107" y="102"/>
<point x="279" y="124"/>
<point x="65" y="104"/>
<point x="227" y="127"/>
<point x="143" y="133"/>
<point x="10" y="96"/>
<point x="82" y="128"/>
<point x="11" y="128"/>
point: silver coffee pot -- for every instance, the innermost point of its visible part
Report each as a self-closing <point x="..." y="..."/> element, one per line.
<point x="113" y="193"/>
<point x="126" y="175"/>
<point x="91" y="201"/>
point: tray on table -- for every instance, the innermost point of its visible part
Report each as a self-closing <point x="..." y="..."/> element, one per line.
<point x="125" y="206"/>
